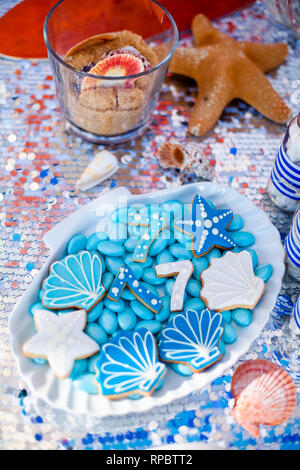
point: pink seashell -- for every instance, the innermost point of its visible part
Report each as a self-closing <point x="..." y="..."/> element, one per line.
<point x="264" y="394"/>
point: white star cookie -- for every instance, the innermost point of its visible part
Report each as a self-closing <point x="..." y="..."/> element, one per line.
<point x="60" y="339"/>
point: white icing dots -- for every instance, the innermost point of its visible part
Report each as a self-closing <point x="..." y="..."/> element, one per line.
<point x="183" y="269"/>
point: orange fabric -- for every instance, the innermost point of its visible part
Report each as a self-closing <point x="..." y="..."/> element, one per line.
<point x="21" y="28"/>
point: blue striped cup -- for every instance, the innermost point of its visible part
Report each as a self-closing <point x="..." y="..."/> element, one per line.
<point x="285" y="176"/>
<point x="295" y="317"/>
<point x="292" y="247"/>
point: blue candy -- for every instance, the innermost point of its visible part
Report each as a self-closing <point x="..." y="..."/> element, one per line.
<point x="130" y="244"/>
<point x="241" y="316"/>
<point x="115" y="306"/>
<point x="153" y="325"/>
<point x="140" y="310"/>
<point x="86" y="382"/>
<point x="76" y="243"/>
<point x="254" y="257"/>
<point x="108" y="320"/>
<point x="107" y="280"/>
<point x="243" y="239"/>
<point x="169" y="286"/>
<point x="158" y="245"/>
<point x="110" y="248"/>
<point x="164" y="312"/>
<point x="164" y="257"/>
<point x="214" y="253"/>
<point x="229" y="334"/>
<point x="96" y="332"/>
<point x="151" y="288"/>
<point x="94" y="239"/>
<point x="181" y="369"/>
<point x="80" y="366"/>
<point x="93" y="314"/>
<point x="237" y="223"/>
<point x="114" y="264"/>
<point x="137" y="269"/>
<point x="184" y="239"/>
<point x="127" y="294"/>
<point x="199" y="265"/>
<point x="264" y="272"/>
<point x="126" y="319"/>
<point x="149" y="275"/>
<point x="180" y="252"/>
<point x="39" y="360"/>
<point x="92" y="362"/>
<point x="222" y="347"/>
<point x="193" y="288"/>
<point x="194" y="304"/>
<point x="226" y="316"/>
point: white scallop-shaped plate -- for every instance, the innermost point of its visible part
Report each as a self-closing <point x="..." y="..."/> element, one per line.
<point x="62" y="394"/>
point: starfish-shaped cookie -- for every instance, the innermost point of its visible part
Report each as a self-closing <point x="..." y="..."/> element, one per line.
<point x="225" y="69"/>
<point x="60" y="339"/>
<point x="207" y="227"/>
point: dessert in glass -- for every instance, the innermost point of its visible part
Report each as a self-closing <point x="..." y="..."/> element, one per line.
<point x="109" y="59"/>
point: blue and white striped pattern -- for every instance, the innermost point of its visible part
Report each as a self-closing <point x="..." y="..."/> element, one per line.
<point x="296" y="314"/>
<point x="285" y="176"/>
<point x="292" y="241"/>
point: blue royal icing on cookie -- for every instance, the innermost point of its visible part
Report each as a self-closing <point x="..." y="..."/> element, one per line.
<point x="192" y="338"/>
<point x="126" y="277"/>
<point x="75" y="281"/>
<point x="129" y="364"/>
<point x="207" y="227"/>
<point x="153" y="219"/>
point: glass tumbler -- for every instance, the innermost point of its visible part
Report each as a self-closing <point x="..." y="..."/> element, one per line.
<point x="108" y="108"/>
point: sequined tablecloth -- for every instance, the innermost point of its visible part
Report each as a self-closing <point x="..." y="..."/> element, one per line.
<point x="40" y="163"/>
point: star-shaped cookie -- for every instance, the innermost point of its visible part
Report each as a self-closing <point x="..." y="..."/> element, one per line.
<point x="225" y="69"/>
<point x="60" y="339"/>
<point x="206" y="226"/>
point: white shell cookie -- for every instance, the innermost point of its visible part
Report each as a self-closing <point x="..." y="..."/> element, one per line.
<point x="60" y="339"/>
<point x="229" y="282"/>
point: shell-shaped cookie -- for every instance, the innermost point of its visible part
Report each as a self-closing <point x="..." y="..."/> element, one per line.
<point x="264" y="394"/>
<point x="229" y="282"/>
<point x="192" y="338"/>
<point x="129" y="364"/>
<point x="74" y="281"/>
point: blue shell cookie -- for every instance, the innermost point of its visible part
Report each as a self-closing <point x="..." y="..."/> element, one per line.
<point x="129" y="365"/>
<point x="74" y="281"/>
<point x="192" y="338"/>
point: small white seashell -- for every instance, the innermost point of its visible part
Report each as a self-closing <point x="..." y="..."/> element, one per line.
<point x="229" y="282"/>
<point x="102" y="167"/>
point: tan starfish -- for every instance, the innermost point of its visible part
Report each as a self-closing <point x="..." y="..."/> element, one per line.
<point x="225" y="69"/>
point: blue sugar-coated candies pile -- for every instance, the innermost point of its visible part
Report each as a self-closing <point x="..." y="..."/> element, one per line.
<point x="116" y="246"/>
